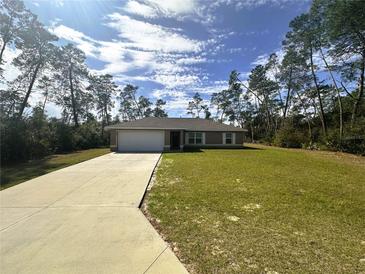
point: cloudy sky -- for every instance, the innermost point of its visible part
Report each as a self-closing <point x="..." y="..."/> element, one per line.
<point x="171" y="48"/>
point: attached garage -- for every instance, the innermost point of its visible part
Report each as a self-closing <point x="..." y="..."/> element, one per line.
<point x="140" y="140"/>
<point x="156" y="134"/>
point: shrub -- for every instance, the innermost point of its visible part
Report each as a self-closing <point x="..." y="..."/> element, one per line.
<point x="13" y="140"/>
<point x="354" y="144"/>
<point x="64" y="139"/>
<point x="289" y="137"/>
<point x="88" y="135"/>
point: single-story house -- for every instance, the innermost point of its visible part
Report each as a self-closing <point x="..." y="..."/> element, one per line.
<point x="165" y="134"/>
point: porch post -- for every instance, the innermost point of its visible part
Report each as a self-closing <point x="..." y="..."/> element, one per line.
<point x="182" y="140"/>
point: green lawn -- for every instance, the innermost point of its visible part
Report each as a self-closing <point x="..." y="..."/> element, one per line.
<point x="261" y="210"/>
<point x="16" y="174"/>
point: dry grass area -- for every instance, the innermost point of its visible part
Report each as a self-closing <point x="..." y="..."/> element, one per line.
<point x="262" y="210"/>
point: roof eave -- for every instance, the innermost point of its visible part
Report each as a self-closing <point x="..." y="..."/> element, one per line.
<point x="186" y="129"/>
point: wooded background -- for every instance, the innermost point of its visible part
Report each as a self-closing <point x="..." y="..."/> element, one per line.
<point x="310" y="97"/>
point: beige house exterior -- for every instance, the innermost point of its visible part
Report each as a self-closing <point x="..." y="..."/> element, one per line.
<point x="168" y="134"/>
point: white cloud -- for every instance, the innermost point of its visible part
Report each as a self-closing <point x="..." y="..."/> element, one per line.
<point x="146" y="36"/>
<point x="210" y="89"/>
<point x="161" y="93"/>
<point x="174" y="7"/>
<point x="263" y="58"/>
<point x="141" y="9"/>
<point x="83" y="42"/>
<point x="178" y="98"/>
<point x="161" y="8"/>
<point x="124" y="56"/>
<point x="191" y="60"/>
<point x="147" y="51"/>
<point x="171" y="81"/>
<point x="58" y="3"/>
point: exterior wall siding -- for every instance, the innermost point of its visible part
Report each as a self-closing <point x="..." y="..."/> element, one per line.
<point x="182" y="139"/>
<point x="113" y="140"/>
<point x="167" y="137"/>
<point x="213" y="138"/>
<point x="239" y="138"/>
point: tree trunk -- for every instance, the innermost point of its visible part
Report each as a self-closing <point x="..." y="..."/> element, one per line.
<point x="44" y="102"/>
<point x="307" y="116"/>
<point x="107" y="116"/>
<point x="102" y="127"/>
<point x="73" y="101"/>
<point x="223" y="110"/>
<point x="268" y="114"/>
<point x="357" y="102"/>
<point x="138" y="107"/>
<point x="252" y="134"/>
<point x="30" y="87"/>
<point x="288" y="94"/>
<point x="322" y="116"/>
<point x="338" y="94"/>
<point x="2" y="51"/>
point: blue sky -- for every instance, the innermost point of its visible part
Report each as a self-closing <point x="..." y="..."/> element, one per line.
<point x="171" y="48"/>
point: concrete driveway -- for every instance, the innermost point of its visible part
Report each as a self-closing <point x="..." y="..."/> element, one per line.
<point x="84" y="219"/>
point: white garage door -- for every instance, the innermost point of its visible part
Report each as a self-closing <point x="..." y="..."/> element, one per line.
<point x="140" y="140"/>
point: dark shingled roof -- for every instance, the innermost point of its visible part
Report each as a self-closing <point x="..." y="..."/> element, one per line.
<point x="190" y="124"/>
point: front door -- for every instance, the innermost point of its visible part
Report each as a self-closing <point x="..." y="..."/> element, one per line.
<point x="175" y="139"/>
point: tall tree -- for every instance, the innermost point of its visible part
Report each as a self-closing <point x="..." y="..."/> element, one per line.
<point x="103" y="88"/>
<point x="264" y="90"/>
<point x="294" y="75"/>
<point x="71" y="76"/>
<point x="47" y="88"/>
<point x="346" y="30"/>
<point x="286" y="76"/>
<point x="320" y="33"/>
<point x="303" y="38"/>
<point x="207" y="113"/>
<point x="236" y="103"/>
<point x="221" y="101"/>
<point x="36" y="56"/>
<point x="129" y="108"/>
<point x="273" y="70"/>
<point x="158" y="110"/>
<point x="14" y="18"/>
<point x="195" y="106"/>
<point x="144" y="107"/>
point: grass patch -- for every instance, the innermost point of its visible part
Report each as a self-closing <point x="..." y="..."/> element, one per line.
<point x="18" y="173"/>
<point x="262" y="209"/>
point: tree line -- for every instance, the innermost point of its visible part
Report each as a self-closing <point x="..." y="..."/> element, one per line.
<point x="311" y="97"/>
<point x="60" y="74"/>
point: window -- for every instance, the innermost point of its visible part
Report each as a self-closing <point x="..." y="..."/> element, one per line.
<point x="195" y="138"/>
<point x="228" y="138"/>
<point x="191" y="138"/>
